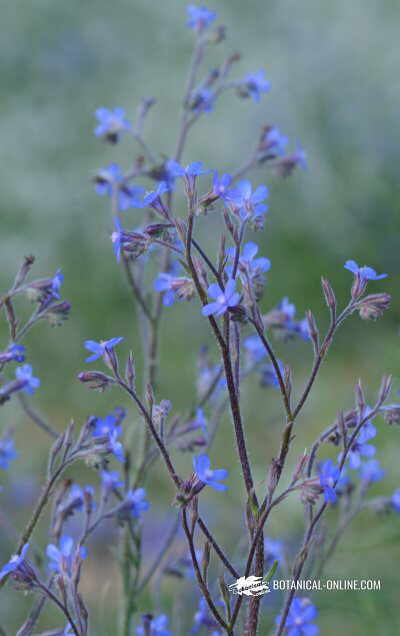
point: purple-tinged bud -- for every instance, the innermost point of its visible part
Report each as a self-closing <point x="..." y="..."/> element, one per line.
<point x="300" y="466"/>
<point x="56" y="314"/>
<point x="286" y="166"/>
<point x="273" y="475"/>
<point x="96" y="380"/>
<point x="391" y="413"/>
<point x="130" y="371"/>
<point x="328" y="293"/>
<point x="11" y="317"/>
<point x="385" y="388"/>
<point x="359" y="396"/>
<point x="310" y="490"/>
<point x="238" y="314"/>
<point x="372" y="307"/>
<point x="359" y="286"/>
<point x="205" y="561"/>
<point x="24" y="271"/>
<point x="312" y="329"/>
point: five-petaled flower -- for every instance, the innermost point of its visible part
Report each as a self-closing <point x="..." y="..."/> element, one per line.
<point x="99" y="349"/>
<point x="65" y="557"/>
<point x="14" y="563"/>
<point x="110" y="480"/>
<point x="365" y="272"/>
<point x="202" y="468"/>
<point x="254" y="85"/>
<point x="154" y="626"/>
<point x="111" y="182"/>
<point x="328" y="476"/>
<point x="370" y="472"/>
<point x="29" y="383"/>
<point x="111" y="123"/>
<point x="272" y="143"/>
<point x="134" y="504"/>
<point x="199" y="18"/>
<point x="246" y="203"/>
<point x="299" y="620"/>
<point x="223" y="299"/>
<point x="360" y="448"/>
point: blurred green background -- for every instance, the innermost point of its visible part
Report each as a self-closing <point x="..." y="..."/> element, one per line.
<point x="334" y="74"/>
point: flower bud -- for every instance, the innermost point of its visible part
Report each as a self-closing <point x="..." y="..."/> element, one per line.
<point x="373" y="306"/>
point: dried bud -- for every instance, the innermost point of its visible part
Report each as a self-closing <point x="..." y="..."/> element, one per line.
<point x="301" y="463"/>
<point x="328" y="293"/>
<point x="130" y="373"/>
<point x="392" y="413"/>
<point x="205" y="562"/>
<point x="56" y="314"/>
<point x="310" y="490"/>
<point x="359" y="396"/>
<point x="372" y="307"/>
<point x="97" y="380"/>
<point x="385" y="388"/>
<point x="312" y="329"/>
<point x="273" y="475"/>
<point x="359" y="286"/>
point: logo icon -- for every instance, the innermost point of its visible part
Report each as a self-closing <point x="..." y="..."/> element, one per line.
<point x="250" y="586"/>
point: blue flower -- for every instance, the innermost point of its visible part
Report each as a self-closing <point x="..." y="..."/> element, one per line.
<point x="153" y="198"/>
<point x="110" y="480"/>
<point x="15" y="352"/>
<point x="282" y="319"/>
<point x="189" y="173"/>
<point x="28" y="382"/>
<point x="203" y="101"/>
<point x="328" y="475"/>
<point x="75" y="499"/>
<point x="14" y="563"/>
<point x="273" y="143"/>
<point x="117" y="238"/>
<point x="107" y="425"/>
<point x="156" y="627"/>
<point x="200" y="421"/>
<point x="298" y="621"/>
<point x="164" y="283"/>
<point x="286" y="165"/>
<point x="223" y="299"/>
<point x="221" y="185"/>
<point x="100" y="348"/>
<point x="204" y="473"/>
<point x="63" y="558"/>
<point x="255" y="348"/>
<point x="7" y="452"/>
<point x="254" y="267"/>
<point x="273" y="550"/>
<point x="199" y="18"/>
<point x="134" y="504"/>
<point x="174" y="288"/>
<point x="269" y="377"/>
<point x="116" y="448"/>
<point x="111" y="123"/>
<point x="56" y="283"/>
<point x="111" y="178"/>
<point x="248" y="204"/>
<point x="395" y="500"/>
<point x="371" y="471"/>
<point x="360" y="448"/>
<point x="203" y="618"/>
<point x="256" y="84"/>
<point x="366" y="273"/>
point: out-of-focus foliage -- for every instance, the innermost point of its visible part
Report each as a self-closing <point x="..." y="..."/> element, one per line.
<point x="333" y="69"/>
